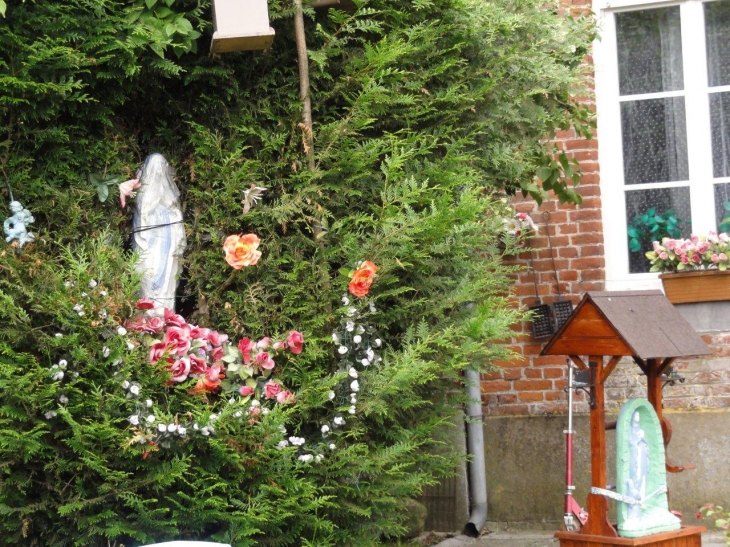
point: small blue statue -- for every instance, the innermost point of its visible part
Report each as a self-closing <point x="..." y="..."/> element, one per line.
<point x="15" y="225"/>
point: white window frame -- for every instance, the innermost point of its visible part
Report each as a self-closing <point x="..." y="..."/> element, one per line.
<point x="610" y="147"/>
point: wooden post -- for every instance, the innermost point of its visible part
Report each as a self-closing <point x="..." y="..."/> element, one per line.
<point x="597" y="505"/>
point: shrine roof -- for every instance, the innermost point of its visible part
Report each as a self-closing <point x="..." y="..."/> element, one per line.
<point x="641" y="324"/>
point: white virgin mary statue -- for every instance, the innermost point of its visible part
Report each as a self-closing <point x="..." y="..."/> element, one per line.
<point x="159" y="232"/>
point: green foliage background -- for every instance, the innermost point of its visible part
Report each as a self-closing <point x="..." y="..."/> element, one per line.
<point x="424" y="111"/>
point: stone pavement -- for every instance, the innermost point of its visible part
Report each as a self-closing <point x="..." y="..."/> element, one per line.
<point x="541" y="538"/>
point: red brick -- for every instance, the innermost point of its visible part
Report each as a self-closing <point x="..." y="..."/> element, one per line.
<point x="585" y="215"/>
<point x="512" y="374"/>
<point x="496" y="386"/>
<point x="592" y="226"/>
<point x="533" y="373"/>
<point x="586" y="263"/>
<point x="548" y="360"/>
<point x="530" y="397"/>
<point x="553" y="373"/>
<point x="533" y="385"/>
<point x="554" y="395"/>
<point x="591" y="250"/>
<point x="568" y="229"/>
<point x="506" y="399"/>
<point x="568" y="252"/>
<point x="587" y="239"/>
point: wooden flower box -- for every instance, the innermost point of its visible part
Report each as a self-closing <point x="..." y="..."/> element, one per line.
<point x="696" y="286"/>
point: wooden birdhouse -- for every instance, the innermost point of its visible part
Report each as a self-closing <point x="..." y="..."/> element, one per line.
<point x="604" y="328"/>
<point x="241" y="25"/>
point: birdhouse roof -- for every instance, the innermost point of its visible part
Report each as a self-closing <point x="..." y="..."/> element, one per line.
<point x="641" y="324"/>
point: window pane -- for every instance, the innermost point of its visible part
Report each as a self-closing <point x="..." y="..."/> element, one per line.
<point x="649" y="51"/>
<point x="722" y="206"/>
<point x="654" y="135"/>
<point x="717" y="30"/>
<point x="720" y="124"/>
<point x="655" y="203"/>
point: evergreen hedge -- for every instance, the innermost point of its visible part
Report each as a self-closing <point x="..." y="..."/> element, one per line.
<point x="424" y="112"/>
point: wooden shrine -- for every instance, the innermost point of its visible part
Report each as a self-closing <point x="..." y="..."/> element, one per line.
<point x="605" y="327"/>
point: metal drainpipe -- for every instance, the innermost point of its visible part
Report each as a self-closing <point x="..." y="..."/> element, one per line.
<point x="475" y="449"/>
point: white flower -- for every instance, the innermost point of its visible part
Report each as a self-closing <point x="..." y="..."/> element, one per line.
<point x="352" y="410"/>
<point x="103" y="293"/>
<point x="182" y="431"/>
<point x="332" y="446"/>
<point x="67" y="284"/>
<point x="58" y="335"/>
<point x="196" y="426"/>
<point x="50" y="414"/>
<point x="106" y="351"/>
<point x="172" y="428"/>
<point x="78" y="307"/>
<point x="81" y="313"/>
<point x="92" y="283"/>
<point x="103" y="314"/>
<point x="205" y="431"/>
<point x="265" y="411"/>
<point x="134" y="389"/>
<point x="371" y="354"/>
<point x="255" y="402"/>
<point x="130" y="345"/>
<point x="57" y="376"/>
<point x="350" y="326"/>
<point x="282" y="444"/>
<point x="134" y="419"/>
<point x="342" y="350"/>
<point x="117" y="362"/>
<point x="161" y="428"/>
<point x="125" y="384"/>
<point x="282" y="429"/>
<point x="372" y="307"/>
<point x="377" y="342"/>
<point x="339" y="420"/>
<point x="83" y="294"/>
<point x="237" y="414"/>
<point x="360" y="329"/>
<point x="150" y="419"/>
<point x="365" y="362"/>
<point x="121" y="331"/>
<point x="148" y="403"/>
<point x="351" y="311"/>
<point x="325" y="428"/>
<point x="331" y="395"/>
<point x="357" y="338"/>
<point x="355" y="386"/>
<point x="305" y="458"/>
<point x="213" y="417"/>
<point x="345" y="301"/>
<point x="318" y="458"/>
<point x="74" y="375"/>
<point x="352" y="372"/>
<point x="62" y="363"/>
<point x="335" y="338"/>
<point x="63" y="399"/>
<point x="297" y="441"/>
<point x="353" y="398"/>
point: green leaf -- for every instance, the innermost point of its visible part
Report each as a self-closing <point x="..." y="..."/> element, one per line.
<point x="634" y="245"/>
<point x="3" y="7"/>
<point x="345" y="272"/>
<point x="103" y="192"/>
<point x="157" y="48"/>
<point x="632" y="232"/>
<point x="170" y="29"/>
<point x="544" y="173"/>
<point x="150" y="3"/>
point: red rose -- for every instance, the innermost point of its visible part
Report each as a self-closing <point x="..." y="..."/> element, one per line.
<point x="145" y="303"/>
<point x="245" y="346"/>
<point x="245" y="391"/>
<point x="362" y="278"/>
<point x="271" y="390"/>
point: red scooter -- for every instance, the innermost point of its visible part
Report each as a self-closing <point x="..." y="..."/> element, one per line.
<point x="574" y="516"/>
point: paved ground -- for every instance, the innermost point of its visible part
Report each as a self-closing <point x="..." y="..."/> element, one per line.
<point x="526" y="538"/>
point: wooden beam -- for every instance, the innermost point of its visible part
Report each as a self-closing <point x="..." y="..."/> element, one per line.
<point x="639" y="361"/>
<point x="578" y="362"/>
<point x="610" y="366"/>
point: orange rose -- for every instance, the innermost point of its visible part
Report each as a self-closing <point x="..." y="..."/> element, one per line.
<point x="241" y="250"/>
<point x="362" y="278"/>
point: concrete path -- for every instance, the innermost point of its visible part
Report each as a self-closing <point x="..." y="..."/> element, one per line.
<point x="526" y="538"/>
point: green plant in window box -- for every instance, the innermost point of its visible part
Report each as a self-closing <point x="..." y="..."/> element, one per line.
<point x="725" y="222"/>
<point x="651" y="226"/>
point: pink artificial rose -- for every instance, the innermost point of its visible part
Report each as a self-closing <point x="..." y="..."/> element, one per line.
<point x="663" y="255"/>
<point x="178" y="339"/>
<point x="155" y="324"/>
<point x="295" y="341"/>
<point x="217" y="353"/>
<point x="198" y="364"/>
<point x="276" y="346"/>
<point x="702" y="247"/>
<point x="216" y="338"/>
<point x="685" y="259"/>
<point x="264" y="361"/>
<point x="285" y="397"/>
<point x="694" y="239"/>
<point x="127" y="189"/>
<point x="655" y="245"/>
<point x="670" y="244"/>
<point x="271" y="390"/>
<point x="715" y="258"/>
<point x="179" y="369"/>
<point x="521" y="216"/>
<point x="241" y="251"/>
<point x="245" y="346"/>
<point x="696" y="258"/>
<point x="263" y="343"/>
<point x="245" y="391"/>
<point x="199" y="333"/>
<point x="722" y="257"/>
<point x="174" y="320"/>
<point x="138" y="324"/>
<point x="157" y="351"/>
<point x="145" y="303"/>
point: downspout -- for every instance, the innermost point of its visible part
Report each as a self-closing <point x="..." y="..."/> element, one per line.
<point x="475" y="451"/>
